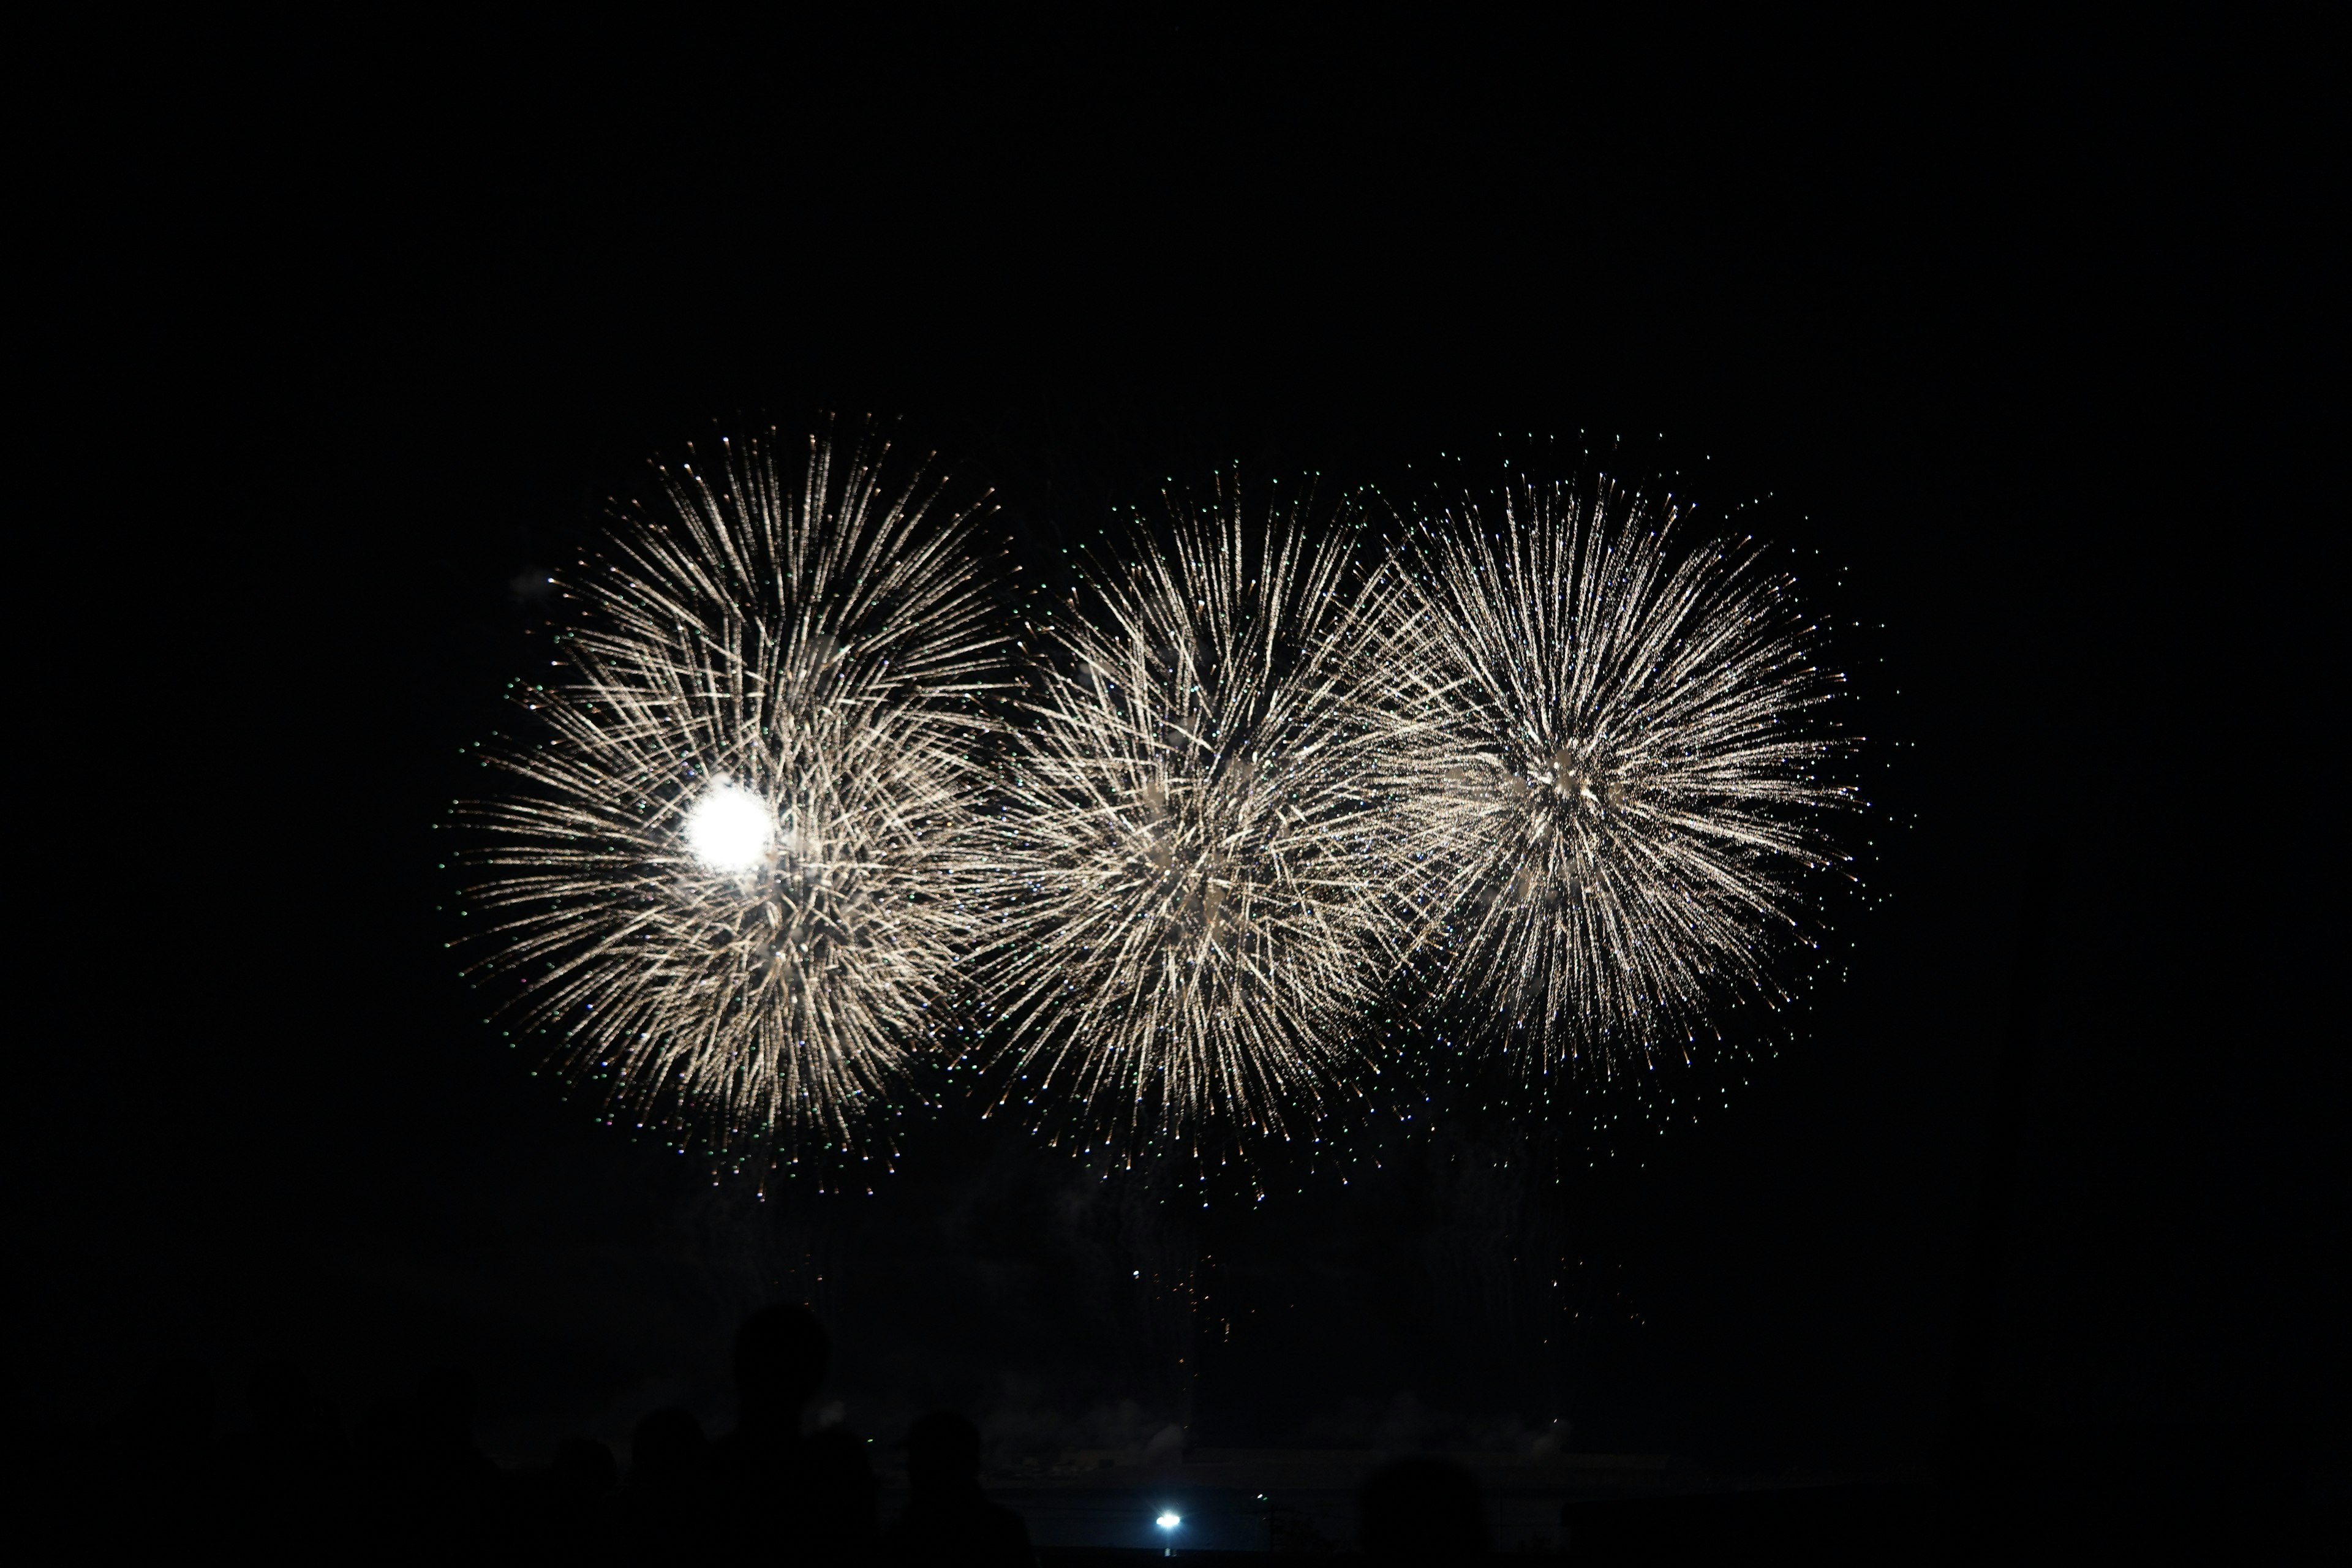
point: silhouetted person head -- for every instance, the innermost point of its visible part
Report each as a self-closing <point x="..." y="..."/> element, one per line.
<point x="781" y="1356"/>
<point x="166" y="1456"/>
<point x="667" y="1447"/>
<point x="948" y="1521"/>
<point x="445" y="1407"/>
<point x="584" y="1468"/>
<point x="1421" y="1509"/>
<point x="172" y="1401"/>
<point x="290" y="1425"/>
<point x="280" y="1396"/>
<point x="385" y="1430"/>
<point x="943" y="1455"/>
<point x="442" y="1417"/>
<point x="667" y="1507"/>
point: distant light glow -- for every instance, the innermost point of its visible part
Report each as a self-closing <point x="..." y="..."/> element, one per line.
<point x="1171" y="1520"/>
<point x="728" y="828"/>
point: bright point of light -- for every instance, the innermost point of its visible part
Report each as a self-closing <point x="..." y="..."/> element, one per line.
<point x="728" y="828"/>
<point x="1169" y="1521"/>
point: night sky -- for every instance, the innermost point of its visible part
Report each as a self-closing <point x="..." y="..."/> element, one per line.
<point x="352" y="343"/>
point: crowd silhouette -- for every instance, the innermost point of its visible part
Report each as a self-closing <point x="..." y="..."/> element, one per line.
<point x="408" y="1483"/>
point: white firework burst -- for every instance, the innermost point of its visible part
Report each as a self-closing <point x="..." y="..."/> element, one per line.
<point x="727" y="873"/>
<point x="1191" y="826"/>
<point x="1631" y="787"/>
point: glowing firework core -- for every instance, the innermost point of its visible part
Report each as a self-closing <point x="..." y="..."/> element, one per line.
<point x="728" y="829"/>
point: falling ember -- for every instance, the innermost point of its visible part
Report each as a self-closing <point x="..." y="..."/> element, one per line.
<point x="726" y="874"/>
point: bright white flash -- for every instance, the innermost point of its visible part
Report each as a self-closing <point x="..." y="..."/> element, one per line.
<point x="1169" y="1521"/>
<point x="728" y="828"/>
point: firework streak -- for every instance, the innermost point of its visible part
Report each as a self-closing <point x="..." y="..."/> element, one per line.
<point x="1629" y="791"/>
<point x="728" y="877"/>
<point x="1195" y="836"/>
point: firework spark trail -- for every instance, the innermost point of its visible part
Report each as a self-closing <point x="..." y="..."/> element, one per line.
<point x="728" y="877"/>
<point x="1630" y="792"/>
<point x="1192" y="824"/>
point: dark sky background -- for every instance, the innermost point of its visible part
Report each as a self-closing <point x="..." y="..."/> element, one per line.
<point x="349" y="337"/>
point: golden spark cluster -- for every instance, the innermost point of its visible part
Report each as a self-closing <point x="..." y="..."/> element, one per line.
<point x="813" y="804"/>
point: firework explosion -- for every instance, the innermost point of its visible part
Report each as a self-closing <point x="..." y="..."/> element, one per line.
<point x="727" y="877"/>
<point x="1192" y="824"/>
<point x="1628" y="794"/>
